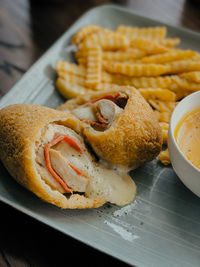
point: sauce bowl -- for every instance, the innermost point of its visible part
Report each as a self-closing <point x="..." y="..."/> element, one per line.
<point x="186" y="171"/>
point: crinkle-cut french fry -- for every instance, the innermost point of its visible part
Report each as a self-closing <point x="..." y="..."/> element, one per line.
<point x="167" y="105"/>
<point x="169" y="56"/>
<point x="154" y="105"/>
<point x="149" y="46"/>
<point x="164" y="126"/>
<point x="164" y="157"/>
<point x="72" y="68"/>
<point x="170" y="42"/>
<point x="123" y="55"/>
<point x="177" y="88"/>
<point x="157" y="93"/>
<point x="81" y="53"/>
<point x="196" y="58"/>
<point x="128" y="54"/>
<point x="106" y="86"/>
<point x="83" y="32"/>
<point x="119" y="55"/>
<point x="193" y="76"/>
<point x="107" y="40"/>
<point x="107" y="77"/>
<point x="70" y="78"/>
<point x="135" y="70"/>
<point x="154" y="82"/>
<point x="135" y="57"/>
<point x="70" y="90"/>
<point x="183" y="66"/>
<point x="94" y="66"/>
<point x="165" y="109"/>
<point x="165" y="116"/>
<point x="150" y="32"/>
<point x="138" y="82"/>
<point x="183" y="84"/>
<point x="162" y="106"/>
<point x="82" y="61"/>
<point x="133" y="61"/>
<point x="182" y="93"/>
<point x="115" y="78"/>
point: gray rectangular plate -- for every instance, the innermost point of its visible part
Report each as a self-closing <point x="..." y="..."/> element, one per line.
<point x="162" y="227"/>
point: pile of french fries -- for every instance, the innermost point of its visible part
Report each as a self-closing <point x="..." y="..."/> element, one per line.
<point x="141" y="57"/>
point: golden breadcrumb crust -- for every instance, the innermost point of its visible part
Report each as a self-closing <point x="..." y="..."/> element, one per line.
<point x="20" y="128"/>
<point x="134" y="138"/>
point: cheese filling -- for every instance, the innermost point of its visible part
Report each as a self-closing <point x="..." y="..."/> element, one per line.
<point x="77" y="169"/>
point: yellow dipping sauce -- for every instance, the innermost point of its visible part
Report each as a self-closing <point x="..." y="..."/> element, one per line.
<point x="187" y="135"/>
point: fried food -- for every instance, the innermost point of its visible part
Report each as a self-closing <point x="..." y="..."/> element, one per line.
<point x="164" y="126"/>
<point x="71" y="68"/>
<point x="169" y="56"/>
<point x="149" y="46"/>
<point x="170" y="42"/>
<point x="94" y="62"/>
<point x="84" y="32"/>
<point x="193" y="76"/>
<point x="164" y="157"/>
<point x="70" y="90"/>
<point x="183" y="66"/>
<point x="148" y="33"/>
<point x="128" y="54"/>
<point x="136" y="70"/>
<point x="157" y="93"/>
<point x="44" y="151"/>
<point x="119" y="125"/>
<point x="71" y="78"/>
<point x="106" y="39"/>
<point x="145" y="58"/>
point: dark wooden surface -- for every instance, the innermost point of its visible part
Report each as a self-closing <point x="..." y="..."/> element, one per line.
<point x="27" y="30"/>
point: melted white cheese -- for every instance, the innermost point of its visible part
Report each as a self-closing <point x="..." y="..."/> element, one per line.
<point x="108" y="184"/>
<point x="100" y="182"/>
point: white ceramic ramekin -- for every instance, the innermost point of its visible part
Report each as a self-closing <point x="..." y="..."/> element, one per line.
<point x="186" y="171"/>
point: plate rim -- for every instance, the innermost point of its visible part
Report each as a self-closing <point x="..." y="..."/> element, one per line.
<point x="25" y="210"/>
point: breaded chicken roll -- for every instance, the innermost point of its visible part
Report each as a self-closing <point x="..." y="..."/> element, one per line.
<point x="43" y="150"/>
<point x="119" y="125"/>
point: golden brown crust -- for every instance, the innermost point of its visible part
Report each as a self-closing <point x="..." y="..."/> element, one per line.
<point x="20" y="127"/>
<point x="135" y="137"/>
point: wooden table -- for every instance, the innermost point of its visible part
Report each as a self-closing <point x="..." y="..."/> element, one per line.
<point x="27" y="29"/>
